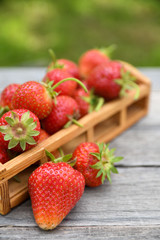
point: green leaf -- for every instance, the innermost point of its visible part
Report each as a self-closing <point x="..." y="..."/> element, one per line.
<point x="68" y="124"/>
<point x="34" y="133"/>
<point x="50" y="155"/>
<point x="23" y="144"/>
<point x="114" y="170"/>
<point x="109" y="176"/>
<point x="97" y="155"/>
<point x="10" y="121"/>
<point x="99" y="173"/>
<point x="25" y="116"/>
<point x="7" y="137"/>
<point x="30" y="140"/>
<point x="116" y="159"/>
<point x="76" y="122"/>
<point x="33" y="125"/>
<point x="15" y="117"/>
<point x="101" y="147"/>
<point x="29" y="121"/>
<point x="98" y="165"/>
<point x="67" y="157"/>
<point x="3" y="129"/>
<point x="12" y="143"/>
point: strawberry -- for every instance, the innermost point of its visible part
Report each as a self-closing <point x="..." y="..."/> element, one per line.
<point x="19" y="130"/>
<point x="7" y="94"/>
<point x="111" y="80"/>
<point x="43" y="135"/>
<point x="3" y="155"/>
<point x="95" y="162"/>
<point x="54" y="188"/>
<point x="55" y="76"/>
<point x="65" y="64"/>
<point x="91" y="59"/>
<point x="87" y="102"/>
<point x="37" y="97"/>
<point x="63" y="112"/>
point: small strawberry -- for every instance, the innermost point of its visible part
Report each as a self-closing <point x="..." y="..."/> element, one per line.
<point x="54" y="188"/>
<point x="87" y="102"/>
<point x="19" y="130"/>
<point x="111" y="80"/>
<point x="37" y="97"/>
<point x="43" y="135"/>
<point x="3" y="155"/>
<point x="55" y="76"/>
<point x="7" y="94"/>
<point x="93" y="58"/>
<point x="95" y="162"/>
<point x="63" y="112"/>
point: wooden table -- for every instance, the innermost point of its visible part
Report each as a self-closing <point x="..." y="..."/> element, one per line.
<point x="126" y="210"/>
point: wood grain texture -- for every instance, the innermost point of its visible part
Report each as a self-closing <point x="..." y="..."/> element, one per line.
<point x="129" y="209"/>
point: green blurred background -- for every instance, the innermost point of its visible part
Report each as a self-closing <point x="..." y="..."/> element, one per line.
<point x="28" y="28"/>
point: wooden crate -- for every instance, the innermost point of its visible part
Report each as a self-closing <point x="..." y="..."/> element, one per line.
<point x="102" y="126"/>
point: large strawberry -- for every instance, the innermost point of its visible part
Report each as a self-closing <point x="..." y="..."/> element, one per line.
<point x="93" y="58"/>
<point x="19" y="130"/>
<point x="7" y="94"/>
<point x="87" y="102"/>
<point x="54" y="188"/>
<point x="111" y="80"/>
<point x="37" y="97"/>
<point x="95" y="162"/>
<point x="43" y="135"/>
<point x="65" y="111"/>
<point x="3" y="155"/>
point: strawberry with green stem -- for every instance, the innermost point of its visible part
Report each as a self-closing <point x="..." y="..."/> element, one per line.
<point x="55" y="188"/>
<point x="87" y="102"/>
<point x="19" y="130"/>
<point x="37" y="97"/>
<point x="111" y="80"/>
<point x="95" y="162"/>
<point x="93" y="58"/>
<point x="64" y="64"/>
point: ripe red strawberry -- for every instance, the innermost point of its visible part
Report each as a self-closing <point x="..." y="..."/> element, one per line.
<point x="19" y="130"/>
<point x="54" y="188"/>
<point x="55" y="76"/>
<point x="110" y="80"/>
<point x="67" y="65"/>
<point x="7" y="94"/>
<point x="87" y="102"/>
<point x="3" y="155"/>
<point x="34" y="97"/>
<point x="91" y="59"/>
<point x="62" y="112"/>
<point x="95" y="162"/>
<point x="43" y="135"/>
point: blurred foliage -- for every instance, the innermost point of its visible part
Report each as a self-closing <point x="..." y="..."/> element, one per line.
<point x="29" y="28"/>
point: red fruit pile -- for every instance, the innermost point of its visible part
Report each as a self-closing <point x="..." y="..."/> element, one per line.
<point x="30" y="112"/>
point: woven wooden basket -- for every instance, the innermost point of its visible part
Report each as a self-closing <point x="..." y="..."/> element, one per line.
<point x="102" y="126"/>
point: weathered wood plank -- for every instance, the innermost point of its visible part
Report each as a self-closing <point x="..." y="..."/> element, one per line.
<point x="132" y="199"/>
<point x="92" y="232"/>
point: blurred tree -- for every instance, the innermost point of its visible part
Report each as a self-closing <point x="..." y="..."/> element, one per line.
<point x="29" y="28"/>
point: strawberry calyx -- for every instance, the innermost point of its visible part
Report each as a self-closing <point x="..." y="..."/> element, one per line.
<point x="106" y="158"/>
<point x="65" y="158"/>
<point x="127" y="82"/>
<point x="3" y="110"/>
<point x="73" y="120"/>
<point x="108" y="51"/>
<point x="19" y="131"/>
<point x="95" y="102"/>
